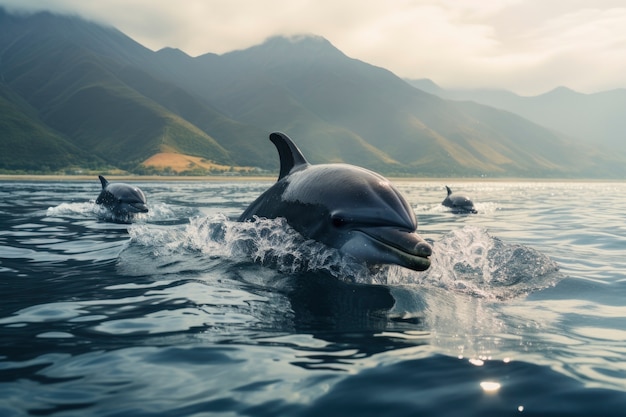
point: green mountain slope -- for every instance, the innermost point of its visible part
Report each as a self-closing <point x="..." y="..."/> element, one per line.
<point x="233" y="142"/>
<point x="29" y="145"/>
<point x="78" y="93"/>
<point x="239" y="88"/>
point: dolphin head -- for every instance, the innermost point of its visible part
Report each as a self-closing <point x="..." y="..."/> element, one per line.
<point x="129" y="199"/>
<point x="358" y="212"/>
<point x="349" y="208"/>
<point x="122" y="199"/>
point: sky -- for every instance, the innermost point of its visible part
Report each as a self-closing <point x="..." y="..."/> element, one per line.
<point x="525" y="46"/>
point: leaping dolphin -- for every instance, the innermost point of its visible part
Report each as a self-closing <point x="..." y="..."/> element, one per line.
<point x="121" y="199"/>
<point x="343" y="206"/>
<point x="458" y="203"/>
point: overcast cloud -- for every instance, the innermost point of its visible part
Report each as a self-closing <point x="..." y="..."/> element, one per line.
<point x="526" y="46"/>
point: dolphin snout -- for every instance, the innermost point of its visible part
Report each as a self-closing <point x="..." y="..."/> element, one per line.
<point x="423" y="249"/>
<point x="404" y="240"/>
<point x="391" y="245"/>
<point x="138" y="207"/>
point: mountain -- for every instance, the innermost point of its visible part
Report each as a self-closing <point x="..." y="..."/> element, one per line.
<point x="598" y="119"/>
<point x="29" y="145"/>
<point x="417" y="132"/>
<point x="96" y="98"/>
<point x="84" y="82"/>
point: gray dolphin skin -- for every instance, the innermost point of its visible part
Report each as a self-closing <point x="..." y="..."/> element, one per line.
<point x="458" y="203"/>
<point x="121" y="199"/>
<point x="349" y="208"/>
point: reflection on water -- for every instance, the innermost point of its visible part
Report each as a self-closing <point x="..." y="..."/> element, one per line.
<point x="187" y="312"/>
<point x="494" y="388"/>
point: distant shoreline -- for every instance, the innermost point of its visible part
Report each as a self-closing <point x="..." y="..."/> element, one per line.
<point x="243" y="178"/>
<point x="163" y="178"/>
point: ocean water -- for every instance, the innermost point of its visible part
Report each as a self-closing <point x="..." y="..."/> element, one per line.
<point x="187" y="313"/>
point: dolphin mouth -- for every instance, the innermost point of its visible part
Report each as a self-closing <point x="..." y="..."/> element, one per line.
<point x="137" y="208"/>
<point x="403" y="247"/>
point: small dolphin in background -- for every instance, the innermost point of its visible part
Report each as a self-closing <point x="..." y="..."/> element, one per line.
<point x="342" y="206"/>
<point x="458" y="203"/>
<point x="121" y="199"/>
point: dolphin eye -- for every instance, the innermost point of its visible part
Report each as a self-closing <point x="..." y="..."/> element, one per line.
<point x="338" y="221"/>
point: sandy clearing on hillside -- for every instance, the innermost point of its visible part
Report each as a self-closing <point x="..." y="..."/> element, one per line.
<point x="179" y="163"/>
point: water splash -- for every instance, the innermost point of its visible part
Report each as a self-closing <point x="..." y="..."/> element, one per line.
<point x="470" y="260"/>
<point x="159" y="212"/>
<point x="86" y="209"/>
<point x="89" y="209"/>
<point x="269" y="242"/>
<point x="467" y="260"/>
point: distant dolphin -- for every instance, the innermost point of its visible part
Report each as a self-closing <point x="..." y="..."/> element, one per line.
<point x="343" y="206"/>
<point x="121" y="199"/>
<point x="458" y="203"/>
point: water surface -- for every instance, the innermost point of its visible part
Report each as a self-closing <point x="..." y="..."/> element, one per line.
<point x="185" y="312"/>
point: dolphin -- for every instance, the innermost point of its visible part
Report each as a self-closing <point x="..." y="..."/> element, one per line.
<point x="346" y="207"/>
<point x="458" y="203"/>
<point x="121" y="199"/>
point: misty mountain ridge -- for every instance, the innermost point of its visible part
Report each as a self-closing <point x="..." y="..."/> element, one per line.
<point x="94" y="98"/>
<point x="598" y="118"/>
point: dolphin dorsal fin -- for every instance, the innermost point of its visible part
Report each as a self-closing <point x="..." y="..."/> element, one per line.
<point x="103" y="181"/>
<point x="449" y="190"/>
<point x="290" y="156"/>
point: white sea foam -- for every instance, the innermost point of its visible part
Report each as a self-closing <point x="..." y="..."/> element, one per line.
<point x="89" y="209"/>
